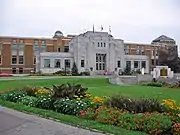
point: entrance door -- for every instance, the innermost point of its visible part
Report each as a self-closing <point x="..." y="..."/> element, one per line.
<point x="100" y="62"/>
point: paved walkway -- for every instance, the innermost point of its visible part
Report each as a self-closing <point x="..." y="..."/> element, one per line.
<point x="16" y="123"/>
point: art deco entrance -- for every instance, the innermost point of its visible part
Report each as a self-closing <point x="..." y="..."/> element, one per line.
<point x="100" y="61"/>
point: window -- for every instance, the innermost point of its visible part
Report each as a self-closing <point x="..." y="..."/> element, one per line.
<point x="43" y="42"/>
<point x="137" y="50"/>
<point x="34" y="61"/>
<point x="152" y="61"/>
<point x="59" y="49"/>
<point x="43" y="48"/>
<point x="14" y="70"/>
<point x="101" y="44"/>
<point x="98" y="44"/>
<point x="47" y="63"/>
<point x="82" y="63"/>
<point x="36" y="49"/>
<point x="104" y="44"/>
<point x="14" y="59"/>
<point x="14" y="47"/>
<point x="128" y="64"/>
<point x="20" y="70"/>
<point x="21" y="47"/>
<point x="118" y="63"/>
<point x="152" y="52"/>
<point x="67" y="63"/>
<point x="100" y="61"/>
<point x="57" y="63"/>
<point x="21" y="59"/>
<point x="135" y="64"/>
<point x="66" y="48"/>
<point x="36" y="42"/>
<point x="157" y="62"/>
<point x="156" y="52"/>
<point x="0" y="60"/>
<point x="143" y="64"/>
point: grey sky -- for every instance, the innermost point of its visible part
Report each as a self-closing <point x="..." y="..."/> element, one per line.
<point x="137" y="21"/>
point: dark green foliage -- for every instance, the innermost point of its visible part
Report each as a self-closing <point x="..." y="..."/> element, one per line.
<point x="156" y="84"/>
<point x="127" y="70"/>
<point x="44" y="102"/>
<point x="74" y="69"/>
<point x="28" y="100"/>
<point x="135" y="105"/>
<point x="68" y="91"/>
<point x="13" y="96"/>
<point x="71" y="107"/>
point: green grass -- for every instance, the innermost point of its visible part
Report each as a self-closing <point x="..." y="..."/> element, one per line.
<point x="71" y="120"/>
<point x="98" y="87"/>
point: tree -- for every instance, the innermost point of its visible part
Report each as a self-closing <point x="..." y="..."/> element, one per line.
<point x="74" y="69"/>
<point x="169" y="57"/>
<point x="127" y="70"/>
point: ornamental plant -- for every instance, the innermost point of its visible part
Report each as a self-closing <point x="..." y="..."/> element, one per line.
<point x="43" y="91"/>
<point x="44" y="102"/>
<point x="176" y="128"/>
<point x="28" y="100"/>
<point x="151" y="123"/>
<point x="71" y="107"/>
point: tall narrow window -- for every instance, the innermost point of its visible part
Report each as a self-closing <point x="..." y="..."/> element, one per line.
<point x="118" y="63"/>
<point x="14" y="59"/>
<point x="34" y="60"/>
<point x="43" y="46"/>
<point x="136" y="64"/>
<point x="67" y="63"/>
<point x="59" y="49"/>
<point x="20" y="70"/>
<point x="143" y="64"/>
<point x="82" y="63"/>
<point x="36" y="48"/>
<point x="57" y="63"/>
<point x="47" y="63"/>
<point x="21" y="59"/>
<point x="128" y="64"/>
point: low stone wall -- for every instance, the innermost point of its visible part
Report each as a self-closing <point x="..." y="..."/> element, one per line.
<point x="130" y="80"/>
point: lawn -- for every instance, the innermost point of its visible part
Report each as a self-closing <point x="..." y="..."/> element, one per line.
<point x="99" y="87"/>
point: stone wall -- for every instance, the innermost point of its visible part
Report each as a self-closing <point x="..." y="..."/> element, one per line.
<point x="130" y="80"/>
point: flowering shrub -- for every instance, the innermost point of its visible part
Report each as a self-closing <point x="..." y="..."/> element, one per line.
<point x="44" y="102"/>
<point x="43" y="91"/>
<point x="13" y="96"/>
<point x="152" y="123"/>
<point x="171" y="104"/>
<point x="108" y="115"/>
<point x="71" y="107"/>
<point x="28" y="100"/>
<point x="176" y="129"/>
<point x="89" y="113"/>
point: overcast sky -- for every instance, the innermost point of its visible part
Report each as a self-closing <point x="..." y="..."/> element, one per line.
<point x="138" y="21"/>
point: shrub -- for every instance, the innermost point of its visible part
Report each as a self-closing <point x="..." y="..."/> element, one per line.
<point x="108" y="115"/>
<point x="154" y="84"/>
<point x="44" y="102"/>
<point x="71" y="107"/>
<point x="176" y="129"/>
<point x="89" y="113"/>
<point x="28" y="100"/>
<point x="13" y="96"/>
<point x="68" y="91"/>
<point x="152" y="123"/>
<point x="135" y="105"/>
<point x="30" y="90"/>
<point x="43" y="91"/>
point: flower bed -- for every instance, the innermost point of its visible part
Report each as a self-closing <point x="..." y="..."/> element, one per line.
<point x="146" y="115"/>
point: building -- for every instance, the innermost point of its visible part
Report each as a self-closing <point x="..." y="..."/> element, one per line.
<point x="94" y="51"/>
<point x="18" y="54"/>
